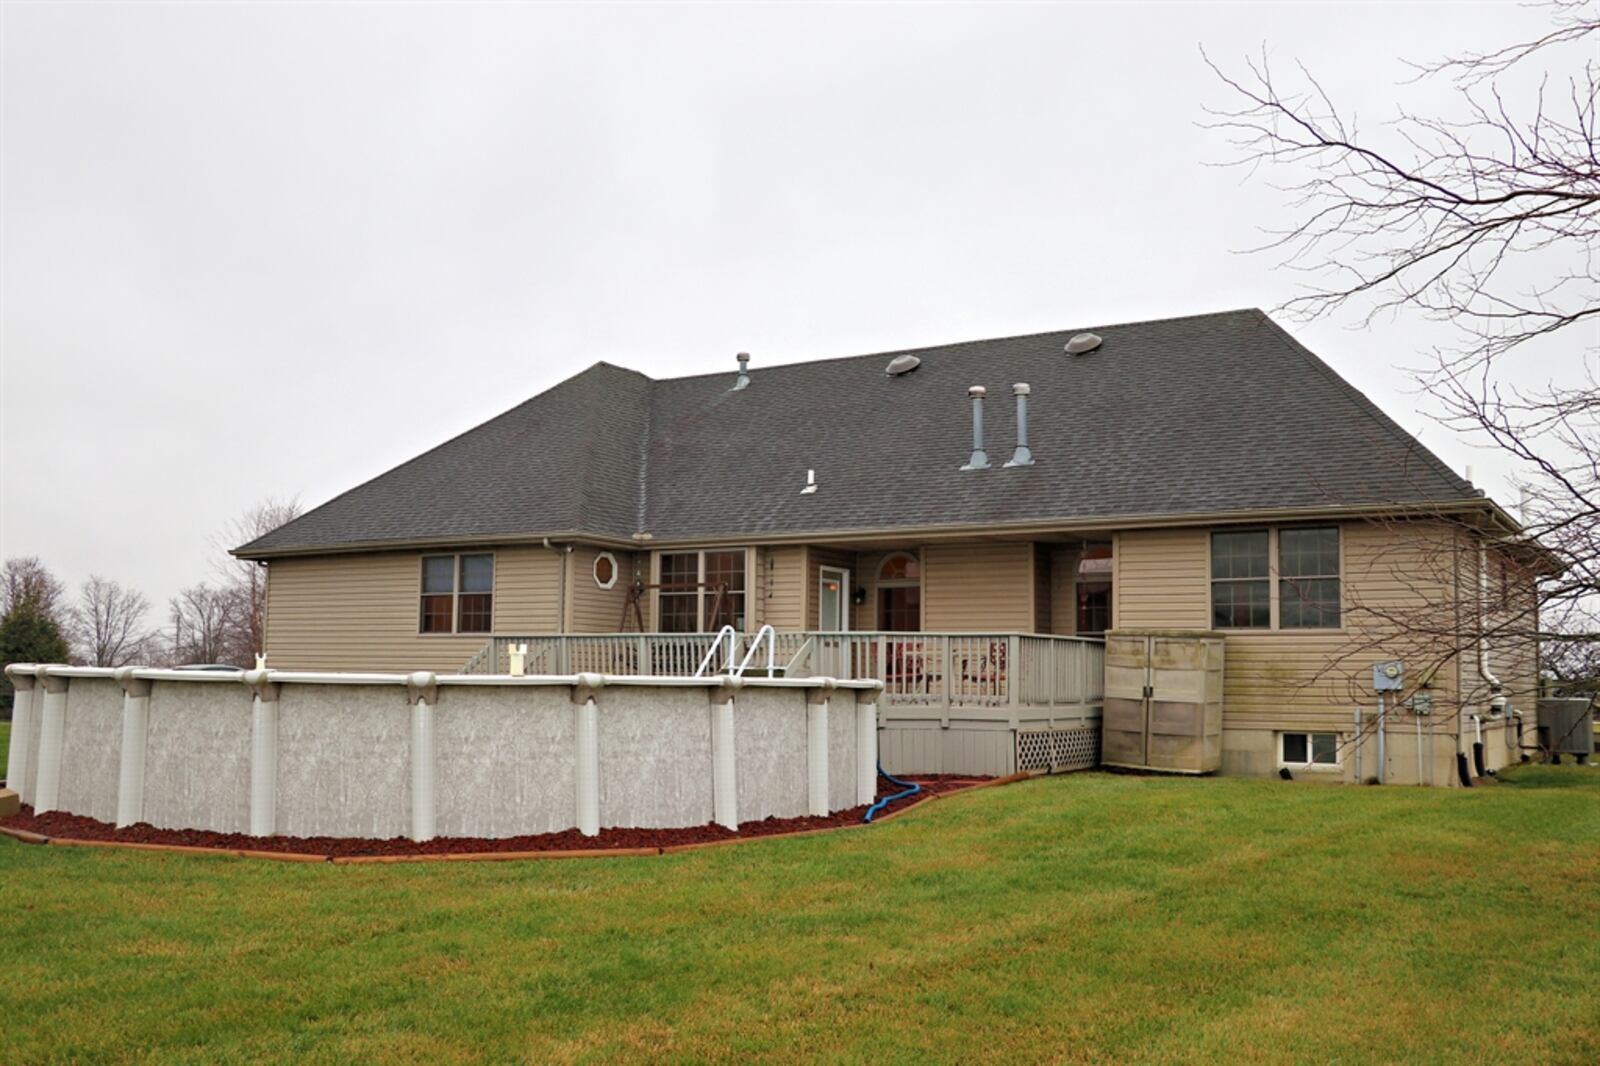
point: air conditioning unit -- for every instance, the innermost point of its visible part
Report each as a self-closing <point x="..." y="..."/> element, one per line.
<point x="1566" y="726"/>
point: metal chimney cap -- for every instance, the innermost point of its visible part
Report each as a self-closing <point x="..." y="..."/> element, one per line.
<point x="744" y="357"/>
<point x="1083" y="342"/>
<point x="1020" y="389"/>
<point x="977" y="390"/>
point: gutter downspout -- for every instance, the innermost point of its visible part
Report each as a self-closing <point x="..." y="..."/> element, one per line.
<point x="1497" y="702"/>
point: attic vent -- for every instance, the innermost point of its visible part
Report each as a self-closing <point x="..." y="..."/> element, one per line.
<point x="1083" y="342"/>
<point x="902" y="364"/>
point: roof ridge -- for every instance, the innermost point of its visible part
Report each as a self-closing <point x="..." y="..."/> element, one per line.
<point x="969" y="343"/>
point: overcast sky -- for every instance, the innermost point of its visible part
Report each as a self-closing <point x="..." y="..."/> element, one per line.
<point x="277" y="249"/>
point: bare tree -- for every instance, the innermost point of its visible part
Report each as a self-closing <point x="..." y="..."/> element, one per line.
<point x="245" y="581"/>
<point x="107" y="623"/>
<point x="25" y="578"/>
<point x="204" y="619"/>
<point x="1488" y="220"/>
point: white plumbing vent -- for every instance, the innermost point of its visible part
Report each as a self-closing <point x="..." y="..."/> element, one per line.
<point x="1083" y="342"/>
<point x="902" y="364"/>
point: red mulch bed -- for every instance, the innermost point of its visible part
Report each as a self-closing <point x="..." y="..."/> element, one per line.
<point x="59" y="824"/>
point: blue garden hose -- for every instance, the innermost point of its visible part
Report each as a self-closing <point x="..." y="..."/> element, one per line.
<point x="911" y="789"/>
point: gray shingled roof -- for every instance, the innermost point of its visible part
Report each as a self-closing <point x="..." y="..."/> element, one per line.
<point x="1213" y="413"/>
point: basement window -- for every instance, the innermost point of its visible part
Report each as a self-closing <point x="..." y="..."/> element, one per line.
<point x="1308" y="749"/>
<point x="457" y="594"/>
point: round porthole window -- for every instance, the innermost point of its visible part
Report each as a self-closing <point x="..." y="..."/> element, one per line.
<point x="605" y="570"/>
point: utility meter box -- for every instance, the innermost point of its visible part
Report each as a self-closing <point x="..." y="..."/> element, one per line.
<point x="1388" y="677"/>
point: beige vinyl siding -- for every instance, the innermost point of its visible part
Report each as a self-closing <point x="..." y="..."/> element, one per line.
<point x="1310" y="679"/>
<point x="977" y="586"/>
<point x="1162" y="579"/>
<point x="783" y="571"/>
<point x="592" y="609"/>
<point x="360" y="611"/>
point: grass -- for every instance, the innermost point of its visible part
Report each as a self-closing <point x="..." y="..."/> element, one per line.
<point x="1086" y="917"/>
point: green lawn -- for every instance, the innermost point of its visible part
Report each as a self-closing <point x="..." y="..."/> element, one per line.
<point x="1086" y="917"/>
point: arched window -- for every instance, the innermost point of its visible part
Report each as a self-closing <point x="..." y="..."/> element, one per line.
<point x="900" y="593"/>
<point x="901" y="566"/>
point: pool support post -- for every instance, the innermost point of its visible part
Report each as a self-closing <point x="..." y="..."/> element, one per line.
<point x="52" y="731"/>
<point x="587" y="771"/>
<point x="263" y="753"/>
<point x="724" y="768"/>
<point x="422" y="692"/>
<point x="135" y="737"/>
<point x="817" y="700"/>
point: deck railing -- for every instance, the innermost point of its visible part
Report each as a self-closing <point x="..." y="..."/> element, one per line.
<point x="938" y="671"/>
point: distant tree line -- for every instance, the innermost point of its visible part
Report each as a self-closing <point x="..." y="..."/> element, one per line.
<point x="106" y="623"/>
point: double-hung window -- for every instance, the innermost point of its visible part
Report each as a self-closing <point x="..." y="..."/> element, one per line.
<point x="1241" y="588"/>
<point x="1302" y="591"/>
<point x="457" y="594"/>
<point x="1308" y="578"/>
<point x="701" y="591"/>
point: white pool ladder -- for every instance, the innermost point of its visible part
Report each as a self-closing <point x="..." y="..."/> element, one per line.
<point x="732" y="637"/>
<point x="770" y="635"/>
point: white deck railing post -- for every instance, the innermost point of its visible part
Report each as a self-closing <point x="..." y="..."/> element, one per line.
<point x="23" y="680"/>
<point x="52" y="734"/>
<point x="867" y="744"/>
<point x="422" y="692"/>
<point x="587" y="771"/>
<point x="135" y="736"/>
<point x="263" y="753"/>
<point x="817" y="747"/>
<point x="724" y="766"/>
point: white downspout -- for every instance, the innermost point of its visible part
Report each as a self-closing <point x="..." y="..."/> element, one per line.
<point x="1497" y="701"/>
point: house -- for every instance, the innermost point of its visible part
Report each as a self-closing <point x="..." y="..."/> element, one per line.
<point x="1205" y="473"/>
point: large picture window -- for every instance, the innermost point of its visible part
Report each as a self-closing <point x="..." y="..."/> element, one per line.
<point x="1241" y="589"/>
<point x="1308" y="578"/>
<point x="688" y="600"/>
<point x="457" y="594"/>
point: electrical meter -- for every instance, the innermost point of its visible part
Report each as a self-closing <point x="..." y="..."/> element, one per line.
<point x="1388" y="677"/>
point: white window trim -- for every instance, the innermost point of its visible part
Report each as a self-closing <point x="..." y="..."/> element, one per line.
<point x="844" y="595"/>
<point x="455" y="592"/>
<point x="616" y="571"/>
<point x="1329" y="767"/>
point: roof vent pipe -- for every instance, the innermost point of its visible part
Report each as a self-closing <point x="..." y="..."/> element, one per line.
<point x="980" y="459"/>
<point x="743" y="380"/>
<point x="1022" y="456"/>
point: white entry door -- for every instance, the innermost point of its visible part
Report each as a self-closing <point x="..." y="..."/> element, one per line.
<point x="833" y="600"/>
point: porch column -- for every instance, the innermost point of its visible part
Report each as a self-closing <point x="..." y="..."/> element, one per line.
<point x="52" y="730"/>
<point x="867" y="744"/>
<point x="135" y="736"/>
<point x="22" y="716"/>
<point x="587" y="771"/>
<point x="422" y="692"/>
<point x="263" y="753"/>
<point x="724" y="769"/>
<point x="817" y="747"/>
